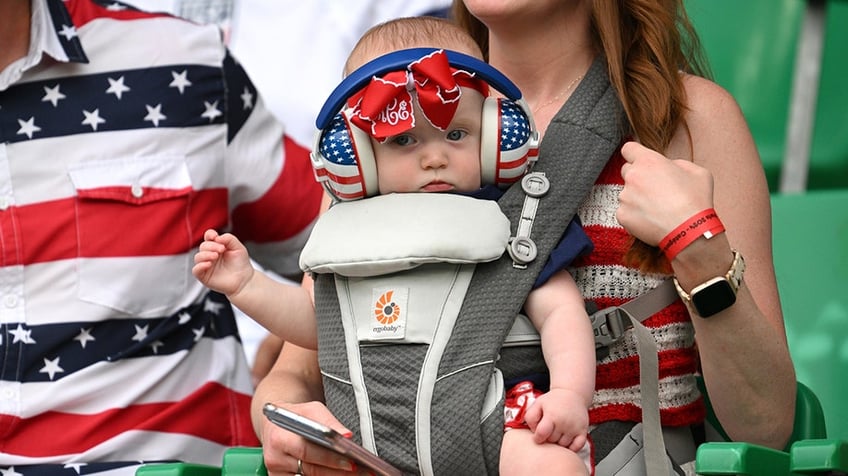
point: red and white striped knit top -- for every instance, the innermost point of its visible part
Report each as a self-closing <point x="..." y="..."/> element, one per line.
<point x="603" y="278"/>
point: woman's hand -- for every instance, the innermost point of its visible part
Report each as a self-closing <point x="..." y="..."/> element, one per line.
<point x="294" y="383"/>
<point x="283" y="449"/>
<point x="659" y="194"/>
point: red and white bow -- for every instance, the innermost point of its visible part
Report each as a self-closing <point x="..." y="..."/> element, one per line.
<point x="384" y="106"/>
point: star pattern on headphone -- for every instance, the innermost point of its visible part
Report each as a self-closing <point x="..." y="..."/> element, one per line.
<point x="515" y="127"/>
<point x="336" y="145"/>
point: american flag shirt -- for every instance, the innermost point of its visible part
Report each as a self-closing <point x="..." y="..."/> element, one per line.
<point x="125" y="135"/>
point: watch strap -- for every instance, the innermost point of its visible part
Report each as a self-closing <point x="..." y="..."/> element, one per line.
<point x="733" y="277"/>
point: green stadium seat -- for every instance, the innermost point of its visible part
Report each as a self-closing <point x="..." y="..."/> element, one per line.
<point x="729" y="457"/>
<point x="823" y="457"/>
<point x="751" y="49"/>
<point x="829" y="152"/>
<point x="244" y="462"/>
<point x="177" y="469"/>
<point x="238" y="461"/>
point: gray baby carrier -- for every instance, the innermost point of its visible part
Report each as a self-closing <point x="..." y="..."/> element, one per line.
<point x="429" y="397"/>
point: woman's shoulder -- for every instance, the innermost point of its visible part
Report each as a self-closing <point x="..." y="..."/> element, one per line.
<point x="711" y="110"/>
<point x="715" y="134"/>
<point x="713" y="118"/>
<point x="707" y="99"/>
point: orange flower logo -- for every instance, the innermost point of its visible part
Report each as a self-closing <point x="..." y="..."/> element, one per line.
<point x="385" y="310"/>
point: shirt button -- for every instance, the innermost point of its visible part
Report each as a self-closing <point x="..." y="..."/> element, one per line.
<point x="10" y="300"/>
<point x="4" y="203"/>
<point x="136" y="190"/>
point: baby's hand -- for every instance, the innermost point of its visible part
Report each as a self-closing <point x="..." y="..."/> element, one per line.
<point x="222" y="263"/>
<point x="559" y="416"/>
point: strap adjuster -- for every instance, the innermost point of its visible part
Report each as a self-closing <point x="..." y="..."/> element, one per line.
<point x="609" y="325"/>
<point x="522" y="248"/>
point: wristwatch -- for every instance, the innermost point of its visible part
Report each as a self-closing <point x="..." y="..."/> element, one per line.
<point x="716" y="294"/>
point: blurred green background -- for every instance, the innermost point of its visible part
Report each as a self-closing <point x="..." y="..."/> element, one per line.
<point x="751" y="47"/>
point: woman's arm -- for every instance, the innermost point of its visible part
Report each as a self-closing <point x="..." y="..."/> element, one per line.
<point x="744" y="354"/>
<point x="294" y="383"/>
<point x="743" y="350"/>
<point x="294" y="378"/>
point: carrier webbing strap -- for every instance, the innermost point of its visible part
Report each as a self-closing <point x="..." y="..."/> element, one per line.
<point x="641" y="308"/>
<point x="577" y="144"/>
<point x="610" y="323"/>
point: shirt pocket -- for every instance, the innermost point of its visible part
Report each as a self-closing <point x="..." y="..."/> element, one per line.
<point x="133" y="233"/>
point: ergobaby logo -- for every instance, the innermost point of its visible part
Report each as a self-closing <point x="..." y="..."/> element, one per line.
<point x="386" y="310"/>
<point x="389" y="313"/>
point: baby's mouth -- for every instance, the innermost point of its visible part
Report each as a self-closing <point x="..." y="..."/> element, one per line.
<point x="438" y="186"/>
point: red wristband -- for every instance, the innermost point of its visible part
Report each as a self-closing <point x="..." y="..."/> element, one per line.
<point x="705" y="223"/>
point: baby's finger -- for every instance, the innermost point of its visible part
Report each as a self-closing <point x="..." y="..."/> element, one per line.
<point x="543" y="432"/>
<point x="210" y="235"/>
<point x="205" y="256"/>
<point x="213" y="246"/>
<point x="200" y="267"/>
<point x="577" y="443"/>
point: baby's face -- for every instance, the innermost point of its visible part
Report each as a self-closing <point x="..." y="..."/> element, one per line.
<point x="426" y="159"/>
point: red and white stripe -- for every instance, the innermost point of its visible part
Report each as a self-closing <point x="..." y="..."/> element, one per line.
<point x="603" y="278"/>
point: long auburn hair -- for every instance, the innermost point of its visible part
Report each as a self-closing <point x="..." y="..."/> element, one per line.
<point x="646" y="43"/>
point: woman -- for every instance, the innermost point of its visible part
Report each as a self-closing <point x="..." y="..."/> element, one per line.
<point x="545" y="47"/>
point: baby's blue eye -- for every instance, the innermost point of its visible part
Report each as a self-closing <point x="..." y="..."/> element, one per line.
<point x="402" y="140"/>
<point x="456" y="135"/>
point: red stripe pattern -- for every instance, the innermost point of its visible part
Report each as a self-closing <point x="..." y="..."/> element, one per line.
<point x="84" y="12"/>
<point x="191" y="416"/>
<point x="603" y="278"/>
<point x="96" y="228"/>
<point x="295" y="185"/>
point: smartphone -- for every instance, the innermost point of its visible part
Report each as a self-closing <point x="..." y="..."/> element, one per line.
<point x="327" y="437"/>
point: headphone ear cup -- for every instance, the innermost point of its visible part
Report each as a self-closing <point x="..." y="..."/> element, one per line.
<point x="365" y="156"/>
<point x="489" y="141"/>
<point x="509" y="141"/>
<point x="343" y="160"/>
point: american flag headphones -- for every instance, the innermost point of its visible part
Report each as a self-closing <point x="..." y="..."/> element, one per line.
<point x="342" y="156"/>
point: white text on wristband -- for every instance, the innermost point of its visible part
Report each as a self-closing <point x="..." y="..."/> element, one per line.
<point x="705" y="223"/>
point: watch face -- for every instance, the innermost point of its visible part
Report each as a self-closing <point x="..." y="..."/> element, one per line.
<point x="713" y="298"/>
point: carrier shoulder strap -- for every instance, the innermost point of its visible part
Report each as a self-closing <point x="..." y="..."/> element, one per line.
<point x="577" y="144"/>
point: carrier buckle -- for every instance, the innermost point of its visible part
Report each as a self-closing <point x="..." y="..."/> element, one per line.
<point x="609" y="325"/>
